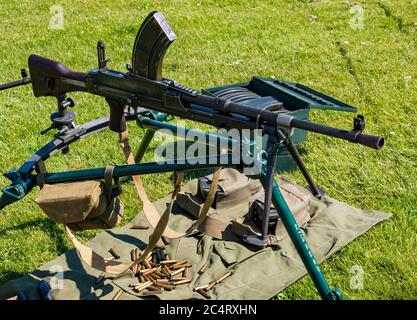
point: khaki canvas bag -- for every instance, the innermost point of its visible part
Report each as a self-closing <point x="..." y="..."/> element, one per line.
<point x="234" y="214"/>
<point x="83" y="205"/>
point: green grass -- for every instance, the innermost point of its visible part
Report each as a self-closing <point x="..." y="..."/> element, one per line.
<point x="221" y="42"/>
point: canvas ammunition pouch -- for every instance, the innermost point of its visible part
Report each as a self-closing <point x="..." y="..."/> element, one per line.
<point x="239" y="207"/>
<point x="83" y="205"/>
<point x="233" y="187"/>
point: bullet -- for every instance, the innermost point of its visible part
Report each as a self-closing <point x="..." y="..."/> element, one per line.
<point x="148" y="271"/>
<point x="138" y="252"/>
<point x="154" y="276"/>
<point x="139" y="226"/>
<point x="203" y="268"/>
<point x="146" y="278"/>
<point x="201" y="287"/>
<point x="186" y="265"/>
<point x="160" y="274"/>
<point x="168" y="262"/>
<point x="154" y="288"/>
<point x="144" y="271"/>
<point x="223" y="277"/>
<point x="165" y="281"/>
<point x="179" y="266"/>
<point x="141" y="278"/>
<point x="179" y="263"/>
<point x="132" y="255"/>
<point x="228" y="274"/>
<point x="166" y="286"/>
<point x="118" y="294"/>
<point x="165" y="240"/>
<point x="185" y="281"/>
<point x="114" y="254"/>
<point x="211" y="285"/>
<point x="152" y="292"/>
<point x="147" y="264"/>
<point x="179" y="279"/>
<point x="204" y="293"/>
<point x="177" y="272"/>
<point x="142" y="286"/>
<point x="186" y="273"/>
<point x="165" y="270"/>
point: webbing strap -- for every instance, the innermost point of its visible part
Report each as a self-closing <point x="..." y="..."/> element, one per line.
<point x="95" y="260"/>
<point x="108" y="182"/>
<point x="88" y="255"/>
<point x="149" y="209"/>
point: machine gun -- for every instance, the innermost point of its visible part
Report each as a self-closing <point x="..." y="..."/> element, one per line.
<point x="152" y="97"/>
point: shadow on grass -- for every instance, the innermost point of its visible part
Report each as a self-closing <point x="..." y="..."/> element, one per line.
<point x="48" y="226"/>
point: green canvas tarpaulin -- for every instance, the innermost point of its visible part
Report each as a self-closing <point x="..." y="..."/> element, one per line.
<point x="256" y="274"/>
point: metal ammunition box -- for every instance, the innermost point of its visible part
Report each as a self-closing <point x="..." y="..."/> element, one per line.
<point x="280" y="96"/>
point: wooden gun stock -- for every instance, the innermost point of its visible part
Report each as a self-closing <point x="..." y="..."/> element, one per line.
<point x="52" y="78"/>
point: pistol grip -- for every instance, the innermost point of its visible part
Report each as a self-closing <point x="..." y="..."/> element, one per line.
<point x="117" y="116"/>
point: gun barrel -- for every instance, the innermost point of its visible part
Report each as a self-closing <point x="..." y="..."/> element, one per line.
<point x="14" y="84"/>
<point x="375" y="142"/>
<point x="223" y="106"/>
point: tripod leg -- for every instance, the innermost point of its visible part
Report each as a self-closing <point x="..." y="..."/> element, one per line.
<point x="301" y="244"/>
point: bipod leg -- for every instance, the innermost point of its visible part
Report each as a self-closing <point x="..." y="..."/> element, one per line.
<point x="316" y="190"/>
<point x="301" y="245"/>
<point x="271" y="158"/>
<point x="147" y="138"/>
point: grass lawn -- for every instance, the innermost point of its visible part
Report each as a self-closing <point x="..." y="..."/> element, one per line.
<point x="221" y="42"/>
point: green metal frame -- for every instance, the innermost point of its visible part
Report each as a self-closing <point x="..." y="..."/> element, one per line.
<point x="158" y="121"/>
